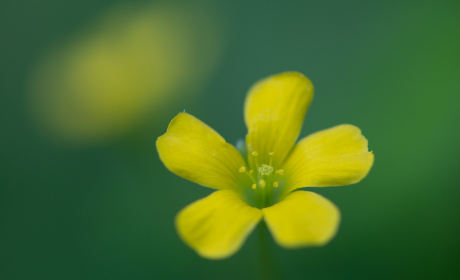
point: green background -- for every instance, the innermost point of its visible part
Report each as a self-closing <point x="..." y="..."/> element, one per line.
<point x="391" y="68"/>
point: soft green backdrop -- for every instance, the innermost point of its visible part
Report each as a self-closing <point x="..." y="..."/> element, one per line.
<point x="106" y="211"/>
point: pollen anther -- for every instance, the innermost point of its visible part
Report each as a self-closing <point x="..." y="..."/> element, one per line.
<point x="276" y="184"/>
<point x="242" y="169"/>
<point x="262" y="183"/>
<point x="280" y="172"/>
<point x="254" y="186"/>
<point x="255" y="153"/>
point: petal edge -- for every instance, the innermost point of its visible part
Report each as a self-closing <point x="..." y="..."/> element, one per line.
<point x="333" y="157"/>
<point x="302" y="219"/>
<point x="194" y="151"/>
<point x="274" y="111"/>
<point x="217" y="225"/>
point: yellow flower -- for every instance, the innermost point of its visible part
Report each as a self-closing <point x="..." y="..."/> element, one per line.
<point x="132" y="62"/>
<point x="264" y="185"/>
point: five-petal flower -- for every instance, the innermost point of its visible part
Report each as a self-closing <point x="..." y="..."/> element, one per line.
<point x="263" y="186"/>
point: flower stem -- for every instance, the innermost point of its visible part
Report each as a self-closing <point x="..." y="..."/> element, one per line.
<point x="268" y="268"/>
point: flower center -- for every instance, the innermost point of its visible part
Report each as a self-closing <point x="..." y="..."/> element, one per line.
<point x="264" y="181"/>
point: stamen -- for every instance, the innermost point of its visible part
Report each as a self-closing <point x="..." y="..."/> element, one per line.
<point x="243" y="170"/>
<point x="280" y="172"/>
<point x="271" y="153"/>
<point x="262" y="183"/>
<point x="255" y="154"/>
<point x="250" y="171"/>
<point x="276" y="184"/>
<point x="254" y="186"/>
<point x="271" y="157"/>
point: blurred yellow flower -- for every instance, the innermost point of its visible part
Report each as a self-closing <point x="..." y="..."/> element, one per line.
<point x="105" y="82"/>
<point x="264" y="185"/>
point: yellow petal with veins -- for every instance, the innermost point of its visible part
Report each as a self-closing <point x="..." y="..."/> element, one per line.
<point x="302" y="219"/>
<point x="194" y="151"/>
<point x="217" y="226"/>
<point x="332" y="157"/>
<point x="274" y="111"/>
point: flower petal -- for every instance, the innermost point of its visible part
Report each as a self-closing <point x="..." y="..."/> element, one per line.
<point x="217" y="226"/>
<point x="274" y="111"/>
<point x="332" y="157"/>
<point x="302" y="219"/>
<point x="194" y="151"/>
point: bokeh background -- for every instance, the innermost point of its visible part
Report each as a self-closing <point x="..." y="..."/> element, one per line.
<point x="86" y="87"/>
